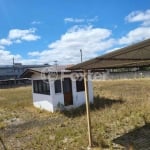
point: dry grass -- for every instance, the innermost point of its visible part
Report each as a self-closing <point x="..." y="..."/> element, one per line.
<point x="119" y="107"/>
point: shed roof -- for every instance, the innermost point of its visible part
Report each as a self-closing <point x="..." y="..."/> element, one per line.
<point x="30" y="71"/>
<point x="132" y="56"/>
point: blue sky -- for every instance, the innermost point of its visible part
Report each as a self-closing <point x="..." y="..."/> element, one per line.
<point x="38" y="32"/>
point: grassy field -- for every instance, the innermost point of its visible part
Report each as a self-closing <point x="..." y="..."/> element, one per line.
<point x="119" y="107"/>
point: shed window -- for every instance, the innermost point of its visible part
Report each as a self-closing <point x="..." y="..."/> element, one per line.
<point x="57" y="86"/>
<point x="80" y="85"/>
<point x="41" y="87"/>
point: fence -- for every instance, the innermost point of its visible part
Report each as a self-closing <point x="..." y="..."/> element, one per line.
<point x="14" y="83"/>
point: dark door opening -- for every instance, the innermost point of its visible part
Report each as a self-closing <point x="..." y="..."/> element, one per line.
<point x="67" y="90"/>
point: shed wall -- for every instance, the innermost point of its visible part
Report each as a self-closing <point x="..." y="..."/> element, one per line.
<point x="43" y="102"/>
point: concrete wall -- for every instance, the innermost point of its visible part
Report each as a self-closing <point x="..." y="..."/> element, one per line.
<point x="123" y="75"/>
<point x="129" y="75"/>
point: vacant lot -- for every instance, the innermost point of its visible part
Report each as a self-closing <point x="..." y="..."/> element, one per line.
<point x="120" y="114"/>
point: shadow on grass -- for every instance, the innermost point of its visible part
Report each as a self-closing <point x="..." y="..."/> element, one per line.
<point x="20" y="127"/>
<point x="138" y="139"/>
<point x="3" y="144"/>
<point x="99" y="103"/>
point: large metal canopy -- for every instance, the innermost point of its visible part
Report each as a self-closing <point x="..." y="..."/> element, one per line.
<point x="132" y="56"/>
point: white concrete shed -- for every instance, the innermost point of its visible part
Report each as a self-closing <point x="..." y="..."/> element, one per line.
<point x="55" y="88"/>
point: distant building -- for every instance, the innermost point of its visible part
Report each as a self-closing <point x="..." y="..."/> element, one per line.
<point x="14" y="71"/>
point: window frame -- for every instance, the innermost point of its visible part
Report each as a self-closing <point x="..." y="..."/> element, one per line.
<point x="60" y="86"/>
<point x="80" y="85"/>
<point x="41" y="87"/>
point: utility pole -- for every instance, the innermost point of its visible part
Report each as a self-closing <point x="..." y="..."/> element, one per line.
<point x="56" y="63"/>
<point x="81" y="54"/>
<point x="13" y="61"/>
<point x="13" y="64"/>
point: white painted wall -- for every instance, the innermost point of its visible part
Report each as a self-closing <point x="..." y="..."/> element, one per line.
<point x="58" y="99"/>
<point x="79" y="97"/>
<point x="43" y="101"/>
<point x="90" y="86"/>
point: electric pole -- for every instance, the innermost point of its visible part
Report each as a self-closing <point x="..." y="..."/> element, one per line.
<point x="56" y="63"/>
<point x="81" y="54"/>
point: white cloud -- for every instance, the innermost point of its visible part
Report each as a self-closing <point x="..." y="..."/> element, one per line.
<point x="17" y="41"/>
<point x="75" y="20"/>
<point x="138" y="34"/>
<point x="35" y="22"/>
<point x="2" y="47"/>
<point x="27" y="35"/>
<point x="5" y="42"/>
<point x="139" y="16"/>
<point x="113" y="49"/>
<point x="67" y="49"/>
<point x="81" y="20"/>
<point x="95" y="19"/>
<point x="17" y="36"/>
<point x="6" y="57"/>
<point x="34" y="53"/>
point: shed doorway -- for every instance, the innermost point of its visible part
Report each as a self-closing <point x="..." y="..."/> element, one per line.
<point x="67" y="90"/>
